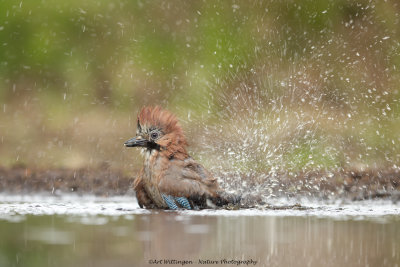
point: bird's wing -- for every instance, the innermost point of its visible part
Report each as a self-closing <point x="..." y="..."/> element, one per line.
<point x="187" y="178"/>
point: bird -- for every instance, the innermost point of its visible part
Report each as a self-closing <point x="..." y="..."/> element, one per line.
<point x="170" y="178"/>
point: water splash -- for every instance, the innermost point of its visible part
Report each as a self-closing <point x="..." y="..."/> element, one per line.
<point x="267" y="125"/>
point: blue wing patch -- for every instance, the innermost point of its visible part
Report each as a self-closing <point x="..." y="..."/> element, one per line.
<point x="171" y="202"/>
<point x="183" y="202"/>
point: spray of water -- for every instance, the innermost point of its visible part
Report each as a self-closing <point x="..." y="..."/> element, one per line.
<point x="267" y="133"/>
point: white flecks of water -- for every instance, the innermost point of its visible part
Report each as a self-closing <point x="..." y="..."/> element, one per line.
<point x="68" y="205"/>
<point x="99" y="211"/>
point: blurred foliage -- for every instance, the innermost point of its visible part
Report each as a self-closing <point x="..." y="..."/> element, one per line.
<point x="73" y="74"/>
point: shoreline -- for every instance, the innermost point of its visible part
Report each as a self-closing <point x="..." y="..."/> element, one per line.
<point x="104" y="181"/>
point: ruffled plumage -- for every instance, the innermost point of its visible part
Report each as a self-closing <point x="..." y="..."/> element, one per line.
<point x="170" y="178"/>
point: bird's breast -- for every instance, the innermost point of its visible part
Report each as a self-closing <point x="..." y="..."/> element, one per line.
<point x="151" y="175"/>
<point x="152" y="165"/>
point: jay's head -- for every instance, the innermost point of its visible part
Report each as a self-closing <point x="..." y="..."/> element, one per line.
<point x="158" y="129"/>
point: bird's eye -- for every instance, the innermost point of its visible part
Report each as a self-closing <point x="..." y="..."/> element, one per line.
<point x="154" y="135"/>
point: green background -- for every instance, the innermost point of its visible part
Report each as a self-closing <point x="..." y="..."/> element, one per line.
<point x="260" y="86"/>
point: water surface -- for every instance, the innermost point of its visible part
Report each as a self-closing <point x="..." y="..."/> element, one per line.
<point x="70" y="231"/>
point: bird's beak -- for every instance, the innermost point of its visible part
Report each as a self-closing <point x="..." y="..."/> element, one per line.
<point x="136" y="141"/>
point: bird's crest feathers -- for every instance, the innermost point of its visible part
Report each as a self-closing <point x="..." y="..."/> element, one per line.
<point x="157" y="117"/>
<point x="173" y="139"/>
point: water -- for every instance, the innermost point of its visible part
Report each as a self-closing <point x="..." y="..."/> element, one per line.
<point x="89" y="231"/>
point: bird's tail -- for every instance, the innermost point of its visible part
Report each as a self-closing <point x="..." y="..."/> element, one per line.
<point x="224" y="199"/>
<point x="236" y="201"/>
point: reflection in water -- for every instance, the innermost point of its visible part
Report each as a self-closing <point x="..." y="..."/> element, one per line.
<point x="135" y="240"/>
